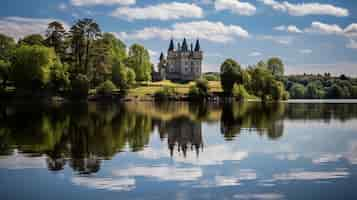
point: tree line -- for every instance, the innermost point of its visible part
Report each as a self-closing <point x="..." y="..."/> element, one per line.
<point x="262" y="80"/>
<point x="71" y="62"/>
<point x="320" y="86"/>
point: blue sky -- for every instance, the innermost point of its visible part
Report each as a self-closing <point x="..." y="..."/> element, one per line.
<point x="310" y="36"/>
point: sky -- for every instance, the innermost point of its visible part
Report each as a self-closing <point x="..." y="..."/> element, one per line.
<point x="310" y="36"/>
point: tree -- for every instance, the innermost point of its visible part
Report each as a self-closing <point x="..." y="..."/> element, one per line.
<point x="59" y="78"/>
<point x="31" y="66"/>
<point x="106" y="88"/>
<point x="120" y="76"/>
<point x="230" y="74"/>
<point x="34" y="39"/>
<point x="55" y="35"/>
<point x="84" y="32"/>
<point x="276" y="66"/>
<point x="240" y="92"/>
<point x="262" y="80"/>
<point x="199" y="91"/>
<point x="6" y="45"/>
<point x="277" y="90"/>
<point x="139" y="61"/>
<point x="314" y="91"/>
<point x="117" y="48"/>
<point x="336" y="92"/>
<point x="297" y="91"/>
<point x="4" y="72"/>
<point x="79" y="87"/>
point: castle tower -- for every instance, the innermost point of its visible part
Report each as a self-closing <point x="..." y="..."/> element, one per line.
<point x="183" y="64"/>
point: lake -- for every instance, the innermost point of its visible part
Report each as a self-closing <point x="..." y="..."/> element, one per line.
<point x="297" y="150"/>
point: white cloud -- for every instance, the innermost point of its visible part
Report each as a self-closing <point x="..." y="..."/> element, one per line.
<point x="101" y="2"/>
<point x="310" y="175"/>
<point x="19" y="161"/>
<point x="213" y="155"/>
<point x="303" y="9"/>
<point x="255" y="54"/>
<point x="237" y="7"/>
<point x="164" y="11"/>
<point x="322" y="28"/>
<point x="305" y="51"/>
<point x="19" y="27"/>
<point x="351" y="30"/>
<point x="122" y="184"/>
<point x="290" y="29"/>
<point x="326" y="158"/>
<point x="284" y="40"/>
<point x="210" y="31"/>
<point x="259" y="196"/>
<point x="167" y="173"/>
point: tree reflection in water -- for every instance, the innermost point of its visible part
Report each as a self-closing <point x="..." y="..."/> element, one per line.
<point x="82" y="135"/>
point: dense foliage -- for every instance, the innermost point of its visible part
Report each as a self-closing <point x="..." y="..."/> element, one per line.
<point x="321" y="86"/>
<point x="261" y="80"/>
<point x="71" y="62"/>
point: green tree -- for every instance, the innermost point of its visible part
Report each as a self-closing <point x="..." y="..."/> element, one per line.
<point x="297" y="91"/>
<point x="314" y="91"/>
<point x="83" y="33"/>
<point x="31" y="66"/>
<point x="336" y="92"/>
<point x="5" y="68"/>
<point x="79" y="87"/>
<point x="55" y="36"/>
<point x="139" y="61"/>
<point x="230" y="74"/>
<point x="59" y="79"/>
<point x="240" y="92"/>
<point x="34" y="39"/>
<point x="276" y="66"/>
<point x="199" y="91"/>
<point x="277" y="90"/>
<point x="106" y="88"/>
<point x="117" y="48"/>
<point x="262" y="80"/>
<point x="6" y="45"/>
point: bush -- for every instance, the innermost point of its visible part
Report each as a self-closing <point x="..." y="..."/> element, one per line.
<point x="277" y="90"/>
<point x="165" y="93"/>
<point x="199" y="91"/>
<point x="106" y="88"/>
<point x="32" y="65"/>
<point x="240" y="92"/>
<point x="79" y="87"/>
<point x="211" y="77"/>
<point x="297" y="91"/>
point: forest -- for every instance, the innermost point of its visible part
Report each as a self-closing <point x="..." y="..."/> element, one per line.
<point x="85" y="61"/>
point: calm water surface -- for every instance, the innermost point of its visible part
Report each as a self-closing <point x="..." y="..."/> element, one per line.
<point x="178" y="151"/>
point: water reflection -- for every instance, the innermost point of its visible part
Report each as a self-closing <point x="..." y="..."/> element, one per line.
<point x="83" y="135"/>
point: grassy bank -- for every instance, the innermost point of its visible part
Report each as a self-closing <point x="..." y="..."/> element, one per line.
<point x="149" y="88"/>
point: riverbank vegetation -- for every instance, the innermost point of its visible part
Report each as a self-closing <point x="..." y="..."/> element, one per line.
<point x="85" y="61"/>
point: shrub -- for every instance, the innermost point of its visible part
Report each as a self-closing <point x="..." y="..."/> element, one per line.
<point x="240" y="92"/>
<point x="106" y="88"/>
<point x="297" y="91"/>
<point x="165" y="93"/>
<point x="211" y="77"/>
<point x="32" y="65"/>
<point x="79" y="87"/>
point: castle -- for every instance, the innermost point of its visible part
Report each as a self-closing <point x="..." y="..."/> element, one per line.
<point x="183" y="63"/>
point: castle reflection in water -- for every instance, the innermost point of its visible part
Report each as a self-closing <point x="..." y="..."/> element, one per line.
<point x="83" y="135"/>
